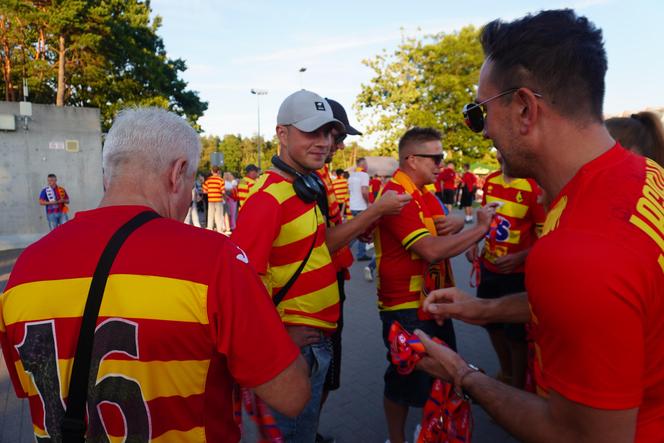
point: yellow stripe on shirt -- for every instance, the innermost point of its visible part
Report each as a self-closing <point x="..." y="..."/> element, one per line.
<point x="126" y="296"/>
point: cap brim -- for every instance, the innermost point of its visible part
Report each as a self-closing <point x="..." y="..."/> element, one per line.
<point x="311" y="124"/>
<point x="352" y="131"/>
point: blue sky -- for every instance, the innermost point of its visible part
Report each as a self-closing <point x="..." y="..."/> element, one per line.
<point x="233" y="46"/>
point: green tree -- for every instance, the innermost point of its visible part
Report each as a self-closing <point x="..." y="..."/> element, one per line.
<point x="425" y="83"/>
<point x="101" y="53"/>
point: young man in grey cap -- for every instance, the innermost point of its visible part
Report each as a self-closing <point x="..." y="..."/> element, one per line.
<point x="282" y="229"/>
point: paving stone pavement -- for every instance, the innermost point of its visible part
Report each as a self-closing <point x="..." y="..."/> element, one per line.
<point x="352" y="414"/>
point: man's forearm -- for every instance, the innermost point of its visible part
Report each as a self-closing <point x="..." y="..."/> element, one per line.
<point x="453" y="245"/>
<point x="508" y="309"/>
<point x="341" y="235"/>
<point x="524" y="415"/>
<point x="531" y="418"/>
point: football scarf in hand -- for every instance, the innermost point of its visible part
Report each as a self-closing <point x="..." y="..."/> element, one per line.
<point x="447" y="417"/>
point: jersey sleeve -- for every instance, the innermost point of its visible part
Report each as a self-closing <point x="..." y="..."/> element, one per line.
<point x="244" y="323"/>
<point x="42" y="195"/>
<point x="407" y="226"/>
<point x="588" y="319"/>
<point x="258" y="225"/>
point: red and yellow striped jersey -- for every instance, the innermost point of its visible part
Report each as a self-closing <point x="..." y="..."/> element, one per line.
<point x="519" y="218"/>
<point x="343" y="258"/>
<point x="400" y="272"/>
<point x="215" y="187"/>
<point x="340" y="187"/>
<point x="172" y="334"/>
<point x="277" y="229"/>
<point x="243" y="189"/>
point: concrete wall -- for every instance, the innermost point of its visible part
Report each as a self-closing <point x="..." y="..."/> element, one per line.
<point x="28" y="156"/>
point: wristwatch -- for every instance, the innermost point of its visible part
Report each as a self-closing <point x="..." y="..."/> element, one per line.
<point x="458" y="388"/>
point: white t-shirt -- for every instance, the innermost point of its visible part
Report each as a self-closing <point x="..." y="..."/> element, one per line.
<point x="355" y="183"/>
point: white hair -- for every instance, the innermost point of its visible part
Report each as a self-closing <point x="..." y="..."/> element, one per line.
<point x="149" y="140"/>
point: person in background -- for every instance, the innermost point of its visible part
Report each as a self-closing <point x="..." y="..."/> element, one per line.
<point x="468" y="189"/>
<point x="340" y="187"/>
<point x="231" y="196"/>
<point x="55" y="199"/>
<point x="641" y="133"/>
<point x="247" y="182"/>
<point x="358" y="186"/>
<point x="214" y="189"/>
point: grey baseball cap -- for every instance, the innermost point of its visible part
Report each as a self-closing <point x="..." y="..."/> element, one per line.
<point x="307" y="111"/>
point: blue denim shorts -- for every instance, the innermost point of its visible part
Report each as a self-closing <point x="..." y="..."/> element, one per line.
<point x="302" y="429"/>
<point x="412" y="389"/>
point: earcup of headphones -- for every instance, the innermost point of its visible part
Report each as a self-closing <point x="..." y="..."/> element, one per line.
<point x="306" y="187"/>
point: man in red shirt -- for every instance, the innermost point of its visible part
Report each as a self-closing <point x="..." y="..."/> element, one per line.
<point x="594" y="279"/>
<point x="173" y="335"/>
<point x="468" y="189"/>
<point x="446" y="180"/>
<point x="412" y="249"/>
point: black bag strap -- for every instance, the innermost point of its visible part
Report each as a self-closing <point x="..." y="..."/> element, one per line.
<point x="284" y="290"/>
<point x="73" y="423"/>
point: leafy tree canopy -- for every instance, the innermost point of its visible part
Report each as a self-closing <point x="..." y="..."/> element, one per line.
<point x="425" y="83"/>
<point x="99" y="53"/>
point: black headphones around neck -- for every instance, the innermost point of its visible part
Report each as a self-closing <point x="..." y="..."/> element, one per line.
<point x="307" y="187"/>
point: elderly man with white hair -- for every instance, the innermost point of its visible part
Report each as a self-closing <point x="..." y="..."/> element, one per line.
<point x="110" y="313"/>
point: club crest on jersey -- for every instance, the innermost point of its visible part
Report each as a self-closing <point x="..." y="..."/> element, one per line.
<point x="503" y="229"/>
<point x="519" y="197"/>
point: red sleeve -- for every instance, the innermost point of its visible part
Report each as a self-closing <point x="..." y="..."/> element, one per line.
<point x="589" y="320"/>
<point x="245" y="325"/>
<point x="257" y="226"/>
<point x="407" y="227"/>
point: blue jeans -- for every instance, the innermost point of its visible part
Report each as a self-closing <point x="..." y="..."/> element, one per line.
<point x="361" y="246"/>
<point x="302" y="429"/>
<point x="55" y="219"/>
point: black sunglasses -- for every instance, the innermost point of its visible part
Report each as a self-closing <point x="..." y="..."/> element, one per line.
<point x="437" y="158"/>
<point x="474" y="114"/>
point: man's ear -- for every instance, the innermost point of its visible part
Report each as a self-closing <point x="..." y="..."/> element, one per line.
<point x="177" y="174"/>
<point x="528" y="108"/>
<point x="282" y="135"/>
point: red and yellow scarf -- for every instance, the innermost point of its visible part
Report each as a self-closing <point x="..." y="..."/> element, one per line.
<point x="436" y="275"/>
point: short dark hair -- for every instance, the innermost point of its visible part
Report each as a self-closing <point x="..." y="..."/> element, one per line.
<point x="51" y="175"/>
<point x="418" y="135"/>
<point x="360" y="160"/>
<point x="558" y="53"/>
<point x="339" y="172"/>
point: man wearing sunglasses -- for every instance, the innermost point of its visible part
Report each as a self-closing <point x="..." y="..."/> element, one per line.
<point x="412" y="249"/>
<point x="594" y="279"/>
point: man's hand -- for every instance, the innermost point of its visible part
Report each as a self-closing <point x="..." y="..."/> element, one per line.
<point x="508" y="263"/>
<point x="390" y="203"/>
<point x="448" y="225"/>
<point x="471" y="253"/>
<point x="441" y="361"/>
<point x="303" y="335"/>
<point x="485" y="215"/>
<point x="454" y="303"/>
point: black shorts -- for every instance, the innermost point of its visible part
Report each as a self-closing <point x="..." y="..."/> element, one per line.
<point x="333" y="377"/>
<point x="448" y="196"/>
<point x="412" y="389"/>
<point x="494" y="285"/>
<point x="467" y="197"/>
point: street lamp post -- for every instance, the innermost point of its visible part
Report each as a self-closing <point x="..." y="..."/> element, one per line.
<point x="258" y="93"/>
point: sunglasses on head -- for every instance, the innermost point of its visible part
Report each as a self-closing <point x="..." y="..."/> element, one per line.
<point x="474" y="114"/>
<point x="437" y="158"/>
